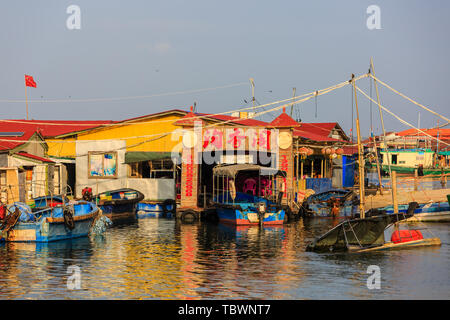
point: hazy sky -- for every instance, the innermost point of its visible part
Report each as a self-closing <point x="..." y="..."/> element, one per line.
<point x="131" y="48"/>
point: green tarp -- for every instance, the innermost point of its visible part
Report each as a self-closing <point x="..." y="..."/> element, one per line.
<point x="444" y="153"/>
<point x="356" y="232"/>
<point x="138" y="156"/>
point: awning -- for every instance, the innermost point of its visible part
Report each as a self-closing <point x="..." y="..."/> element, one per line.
<point x="232" y="170"/>
<point x="444" y="153"/>
<point x="138" y="156"/>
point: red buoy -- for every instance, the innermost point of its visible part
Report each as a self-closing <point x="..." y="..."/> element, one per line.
<point x="400" y="236"/>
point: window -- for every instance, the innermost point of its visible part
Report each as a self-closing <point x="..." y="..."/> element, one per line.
<point x="102" y="164"/>
<point x="394" y="159"/>
<point x="156" y="169"/>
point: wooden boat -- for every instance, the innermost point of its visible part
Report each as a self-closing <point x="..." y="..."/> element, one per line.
<point x="246" y="208"/>
<point x="165" y="209"/>
<point x="120" y="203"/>
<point x="367" y="234"/>
<point x="337" y="203"/>
<point x="49" y="224"/>
<point x="47" y="201"/>
<point x="425" y="212"/>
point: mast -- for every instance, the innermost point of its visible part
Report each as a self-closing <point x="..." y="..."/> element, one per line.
<point x="375" y="144"/>
<point x="382" y="126"/>
<point x="360" y="157"/>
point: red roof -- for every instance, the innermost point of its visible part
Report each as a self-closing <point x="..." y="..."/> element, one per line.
<point x="189" y="119"/>
<point x="312" y="136"/>
<point x="322" y="129"/>
<point x="31" y="156"/>
<point x="243" y="121"/>
<point x="431" y="132"/>
<point x="8" y="143"/>
<point x="49" y="128"/>
<point x="284" y="120"/>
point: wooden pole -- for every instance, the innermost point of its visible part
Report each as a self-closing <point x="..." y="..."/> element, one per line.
<point x="378" y="167"/>
<point x="360" y="157"/>
<point x="298" y="162"/>
<point x="312" y="168"/>
<point x="394" y="191"/>
<point x="321" y="168"/>
<point x="26" y="99"/>
<point x="301" y="169"/>
<point x="382" y="122"/>
<point x="416" y="175"/>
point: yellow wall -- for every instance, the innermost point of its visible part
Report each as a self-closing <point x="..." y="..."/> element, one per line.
<point x="151" y="128"/>
<point x="61" y="148"/>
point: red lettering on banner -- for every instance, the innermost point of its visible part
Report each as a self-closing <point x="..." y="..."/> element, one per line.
<point x="189" y="177"/>
<point x="284" y="166"/>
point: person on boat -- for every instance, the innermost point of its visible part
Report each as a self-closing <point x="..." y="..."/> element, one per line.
<point x="420" y="170"/>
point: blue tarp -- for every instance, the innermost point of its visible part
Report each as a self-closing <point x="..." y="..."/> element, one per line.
<point x="318" y="184"/>
<point x="348" y="171"/>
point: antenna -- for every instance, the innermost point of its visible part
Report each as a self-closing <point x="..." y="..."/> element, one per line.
<point x="252" y="82"/>
<point x="293" y="96"/>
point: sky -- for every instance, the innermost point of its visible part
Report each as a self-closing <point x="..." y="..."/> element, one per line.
<point x="142" y="48"/>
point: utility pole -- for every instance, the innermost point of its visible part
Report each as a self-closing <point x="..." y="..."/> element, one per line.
<point x="252" y="83"/>
<point x="293" y="96"/>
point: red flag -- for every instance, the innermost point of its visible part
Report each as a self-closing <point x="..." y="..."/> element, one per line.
<point x="29" y="81"/>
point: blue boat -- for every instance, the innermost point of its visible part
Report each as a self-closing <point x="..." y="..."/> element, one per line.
<point x="237" y="207"/>
<point x="165" y="209"/>
<point x="48" y="201"/>
<point x="120" y="203"/>
<point x="425" y="212"/>
<point x="49" y="224"/>
<point x="337" y="203"/>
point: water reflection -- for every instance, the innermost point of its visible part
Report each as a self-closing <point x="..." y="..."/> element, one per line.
<point x="163" y="259"/>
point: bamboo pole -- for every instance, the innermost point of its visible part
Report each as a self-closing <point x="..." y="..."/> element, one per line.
<point x="360" y="158"/>
<point x="301" y="169"/>
<point x="378" y="166"/>
<point x="394" y="191"/>
<point x="372" y="70"/>
<point x="321" y="168"/>
<point x="26" y="99"/>
<point x="416" y="175"/>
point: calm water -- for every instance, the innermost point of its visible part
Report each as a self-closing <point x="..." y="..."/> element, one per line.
<point x="162" y="259"/>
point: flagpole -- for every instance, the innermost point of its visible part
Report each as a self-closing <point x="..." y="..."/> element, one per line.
<point x="26" y="99"/>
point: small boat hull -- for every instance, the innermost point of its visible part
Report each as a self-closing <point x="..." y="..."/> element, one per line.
<point x="119" y="204"/>
<point x="402" y="245"/>
<point x="48" y="228"/>
<point x="244" y="217"/>
<point x="118" y="211"/>
<point x="429" y="212"/>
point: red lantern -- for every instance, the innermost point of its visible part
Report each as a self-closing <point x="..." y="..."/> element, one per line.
<point x="310" y="151"/>
<point x="340" y="151"/>
<point x="328" y="151"/>
<point x="303" y="151"/>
